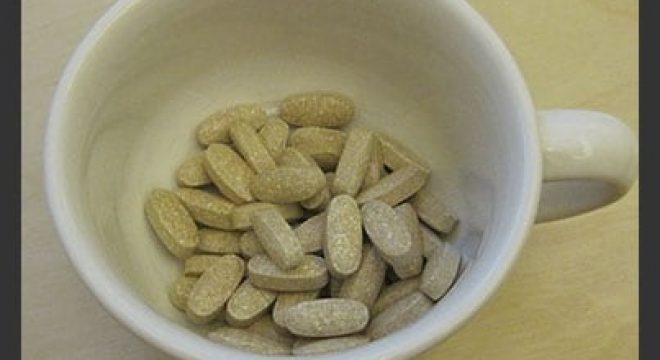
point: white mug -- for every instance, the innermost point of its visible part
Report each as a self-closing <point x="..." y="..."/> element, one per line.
<point x="431" y="73"/>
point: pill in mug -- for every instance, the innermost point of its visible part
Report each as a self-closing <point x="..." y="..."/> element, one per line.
<point x="311" y="274"/>
<point x="191" y="172"/>
<point x="323" y="145"/>
<point x="318" y="108"/>
<point x="206" y="208"/>
<point x="171" y="222"/>
<point x="213" y="289"/>
<point x="229" y="172"/>
<point x="327" y="317"/>
<point x="215" y="128"/>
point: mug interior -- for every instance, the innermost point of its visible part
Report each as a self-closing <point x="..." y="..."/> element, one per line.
<point x="429" y="73"/>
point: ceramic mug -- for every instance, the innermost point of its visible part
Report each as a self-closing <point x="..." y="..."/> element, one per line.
<point x="431" y="73"/>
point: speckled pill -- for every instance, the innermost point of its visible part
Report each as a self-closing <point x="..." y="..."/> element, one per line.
<point x="321" y="200"/>
<point x="215" y="128"/>
<point x="214" y="288"/>
<point x="440" y="271"/>
<point x="274" y="135"/>
<point x="387" y="231"/>
<point x="191" y="173"/>
<point x="311" y="233"/>
<point x="242" y="214"/>
<point x="312" y="274"/>
<point x="286" y="185"/>
<point x="353" y="163"/>
<point x="304" y="347"/>
<point x="171" y="222"/>
<point x="399" y="315"/>
<point x="397" y="156"/>
<point x="430" y="241"/>
<point x="206" y="208"/>
<point x="375" y="168"/>
<point x="433" y="212"/>
<point x="180" y="291"/>
<point x="393" y="293"/>
<point x="249" y="341"/>
<point x="230" y="174"/>
<point x="342" y="247"/>
<point x="250" y="245"/>
<point x="395" y="187"/>
<point x="197" y="264"/>
<point x="323" y="145"/>
<point x="251" y="147"/>
<point x="412" y="264"/>
<point x="247" y="304"/>
<point x="219" y="241"/>
<point x="326" y="317"/>
<point x="317" y="108"/>
<point x="365" y="284"/>
<point x="277" y="238"/>
<point x="286" y="300"/>
<point x="292" y="157"/>
<point x="266" y="326"/>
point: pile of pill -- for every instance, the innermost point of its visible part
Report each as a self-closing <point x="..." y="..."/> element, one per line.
<point x="298" y="237"/>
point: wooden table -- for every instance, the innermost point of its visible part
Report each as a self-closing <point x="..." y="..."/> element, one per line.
<point x="572" y="295"/>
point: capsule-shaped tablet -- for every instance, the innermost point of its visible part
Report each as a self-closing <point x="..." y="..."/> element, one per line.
<point x="395" y="187"/>
<point x="180" y="291"/>
<point x="286" y="300"/>
<point x="206" y="208"/>
<point x="230" y="174"/>
<point x="342" y="247"/>
<point x="312" y="274"/>
<point x="387" y="231"/>
<point x="247" y="304"/>
<point x="215" y="128"/>
<point x="311" y="233"/>
<point x="353" y="163"/>
<point x="214" y="288"/>
<point x="399" y="315"/>
<point x="304" y="347"/>
<point x="323" y="145"/>
<point x="249" y="145"/>
<point x="393" y="293"/>
<point x="440" y="271"/>
<point x="250" y="245"/>
<point x="375" y="169"/>
<point x="191" y="173"/>
<point x="317" y="108"/>
<point x="241" y="217"/>
<point x="433" y="212"/>
<point x="171" y="222"/>
<point x="274" y="135"/>
<point x="326" y="317"/>
<point x="430" y="241"/>
<point x="249" y="341"/>
<point x="413" y="262"/>
<point x="219" y="241"/>
<point x="277" y="238"/>
<point x="266" y="326"/>
<point x="197" y="264"/>
<point x="287" y="185"/>
<point x="291" y="157"/>
<point x="365" y="284"/>
<point x="397" y="156"/>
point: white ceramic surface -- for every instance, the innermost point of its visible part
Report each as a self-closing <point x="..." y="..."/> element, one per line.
<point x="431" y="73"/>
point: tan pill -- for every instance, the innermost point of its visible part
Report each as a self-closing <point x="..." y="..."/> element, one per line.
<point x="310" y="275"/>
<point x="430" y="241"/>
<point x="412" y="263"/>
<point x="180" y="291"/>
<point x="323" y="145"/>
<point x="171" y="222"/>
<point x="399" y="315"/>
<point x="214" y="288"/>
<point x="387" y="231"/>
<point x="343" y="237"/>
<point x="395" y="187"/>
<point x="318" y="108"/>
<point x="215" y="128"/>
<point x="326" y="317"/>
<point x="375" y="169"/>
<point x="440" y="271"/>
<point x="365" y="284"/>
<point x="247" y="304"/>
<point x="277" y="238"/>
<point x="250" y="245"/>
<point x="241" y="217"/>
<point x="219" y="241"/>
<point x="208" y="209"/>
<point x="433" y="212"/>
<point x="287" y="300"/>
<point x="314" y="347"/>
<point x="292" y="157"/>
<point x="230" y="174"/>
<point x="274" y="135"/>
<point x="311" y="233"/>
<point x="397" y="156"/>
<point x="393" y="293"/>
<point x="191" y="173"/>
<point x="249" y="341"/>
<point x="353" y="163"/>
<point x="249" y="145"/>
<point x="197" y="264"/>
<point x="321" y="200"/>
<point x="266" y="326"/>
<point x="287" y="184"/>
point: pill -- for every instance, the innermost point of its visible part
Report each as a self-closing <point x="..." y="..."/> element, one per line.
<point x="433" y="212"/>
<point x="219" y="241"/>
<point x="287" y="184"/>
<point x="215" y="128"/>
<point x="430" y="240"/>
<point x="321" y="200"/>
<point x="365" y="284"/>
<point x="180" y="291"/>
<point x="230" y="174"/>
<point x="397" y="156"/>
<point x="247" y="304"/>
<point x="395" y="187"/>
<point x="352" y="166"/>
<point x="343" y="237"/>
<point x="214" y="288"/>
<point x="398" y="315"/>
<point x="413" y="262"/>
<point x="277" y="238"/>
<point x="312" y="274"/>
<point x="335" y="286"/>
<point x="311" y="233"/>
<point x="274" y="135"/>
<point x="251" y="147"/>
<point x="314" y="347"/>
<point x="375" y="169"/>
<point x="286" y="300"/>
<point x="250" y="245"/>
<point x="393" y="293"/>
<point x="171" y="222"/>
<point x="242" y="214"/>
<point x="291" y="157"/>
<point x="249" y="341"/>
<point x="206" y="208"/>
<point x="191" y="173"/>
<point x="440" y="271"/>
<point x="266" y="326"/>
<point x="387" y="231"/>
<point x="326" y="317"/>
<point x="197" y="264"/>
<point x="318" y="108"/>
<point x="323" y="145"/>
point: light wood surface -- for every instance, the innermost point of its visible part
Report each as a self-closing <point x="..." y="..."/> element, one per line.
<point x="572" y="295"/>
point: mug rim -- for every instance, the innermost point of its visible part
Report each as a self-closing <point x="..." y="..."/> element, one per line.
<point x="183" y="343"/>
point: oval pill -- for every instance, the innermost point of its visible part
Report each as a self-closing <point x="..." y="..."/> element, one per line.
<point x="413" y="261"/>
<point x="171" y="222"/>
<point x="326" y="317"/>
<point x="219" y="241"/>
<point x="213" y="289"/>
<point x="353" y="163"/>
<point x="395" y="187"/>
<point x="397" y="156"/>
<point x="250" y="146"/>
<point x="241" y="216"/>
<point x="399" y="315"/>
<point x="197" y="264"/>
<point x="215" y="128"/>
<point x="208" y="209"/>
<point x="286" y="300"/>
<point x="394" y="292"/>
<point x="440" y="271"/>
<point x="274" y="135"/>
<point x="311" y="233"/>
<point x="230" y="174"/>
<point x="180" y="291"/>
<point x="433" y="212"/>
<point x="191" y="173"/>
<point x="386" y="230"/>
<point x="310" y="275"/>
<point x="343" y="237"/>
<point x="287" y="184"/>
<point x="323" y="145"/>
<point x="318" y="108"/>
<point x="247" y="304"/>
<point x="365" y="284"/>
<point x="277" y="238"/>
<point x="250" y="245"/>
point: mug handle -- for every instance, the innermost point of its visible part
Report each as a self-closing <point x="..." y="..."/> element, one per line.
<point x="590" y="159"/>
